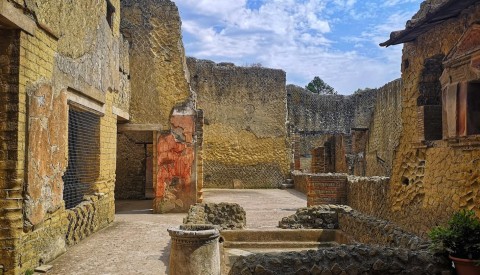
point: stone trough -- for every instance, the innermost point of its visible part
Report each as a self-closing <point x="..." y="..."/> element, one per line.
<point x="236" y="243"/>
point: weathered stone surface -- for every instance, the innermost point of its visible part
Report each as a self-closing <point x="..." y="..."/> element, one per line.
<point x="195" y="250"/>
<point x="160" y="83"/>
<point x="47" y="157"/>
<point x="315" y="217"/>
<point x="73" y="50"/>
<point x="11" y="175"/>
<point x="432" y="180"/>
<point x="384" y="130"/>
<point x="225" y="215"/>
<point x="369" y="195"/>
<point x="353" y="261"/>
<point x="356" y="225"/>
<point x="244" y="131"/>
<point x="367" y="122"/>
<point x="175" y="188"/>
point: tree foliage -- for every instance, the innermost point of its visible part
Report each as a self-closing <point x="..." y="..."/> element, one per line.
<point x="318" y="86"/>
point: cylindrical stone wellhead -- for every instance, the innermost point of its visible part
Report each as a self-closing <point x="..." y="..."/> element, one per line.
<point x="195" y="250"/>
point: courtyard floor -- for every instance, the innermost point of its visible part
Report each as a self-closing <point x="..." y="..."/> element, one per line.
<point x="138" y="241"/>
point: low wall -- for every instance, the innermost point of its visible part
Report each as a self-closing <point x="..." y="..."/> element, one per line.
<point x="95" y="213"/>
<point x="369" y="195"/>
<point x="356" y="225"/>
<point x="300" y="182"/>
<point x="345" y="259"/>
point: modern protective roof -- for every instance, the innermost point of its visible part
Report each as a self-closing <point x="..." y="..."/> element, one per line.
<point x="431" y="13"/>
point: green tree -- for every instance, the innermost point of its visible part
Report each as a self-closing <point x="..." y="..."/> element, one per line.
<point x="318" y="86"/>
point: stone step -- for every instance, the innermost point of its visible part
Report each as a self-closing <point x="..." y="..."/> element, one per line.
<point x="278" y="245"/>
<point x="281" y="235"/>
<point x="286" y="186"/>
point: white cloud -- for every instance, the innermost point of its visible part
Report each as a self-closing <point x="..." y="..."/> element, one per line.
<point x="297" y="36"/>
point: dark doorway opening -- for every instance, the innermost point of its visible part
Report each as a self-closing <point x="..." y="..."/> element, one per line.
<point x="134" y="179"/>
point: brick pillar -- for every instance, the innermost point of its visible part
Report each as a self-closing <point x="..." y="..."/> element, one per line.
<point x="199" y="154"/>
<point x="318" y="160"/>
<point x="12" y="154"/>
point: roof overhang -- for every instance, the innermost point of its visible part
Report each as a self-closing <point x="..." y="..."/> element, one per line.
<point x="434" y="15"/>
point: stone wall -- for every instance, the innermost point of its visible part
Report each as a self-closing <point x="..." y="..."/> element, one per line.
<point x="317" y="119"/>
<point x="384" y="130"/>
<point x="369" y="122"/>
<point x="357" y="226"/>
<point x="153" y="29"/>
<point x="56" y="59"/>
<point x="433" y="179"/>
<point x="369" y="195"/>
<point x="162" y="100"/>
<point x="345" y="259"/>
<point x="329" y="114"/>
<point x="245" y="143"/>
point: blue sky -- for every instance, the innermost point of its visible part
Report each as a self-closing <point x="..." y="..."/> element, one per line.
<point x="334" y="39"/>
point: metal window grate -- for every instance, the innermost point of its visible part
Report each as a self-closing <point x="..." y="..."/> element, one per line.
<point x="83" y="155"/>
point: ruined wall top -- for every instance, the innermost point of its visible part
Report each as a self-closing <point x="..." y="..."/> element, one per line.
<point x="252" y="98"/>
<point x="159" y="77"/>
<point x="329" y="114"/>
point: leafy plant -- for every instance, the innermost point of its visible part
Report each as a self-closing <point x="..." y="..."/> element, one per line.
<point x="460" y="238"/>
<point x="29" y="272"/>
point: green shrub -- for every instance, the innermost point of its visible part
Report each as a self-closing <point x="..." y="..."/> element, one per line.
<point x="460" y="238"/>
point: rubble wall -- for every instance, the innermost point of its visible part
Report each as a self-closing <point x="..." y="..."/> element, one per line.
<point x="244" y="132"/>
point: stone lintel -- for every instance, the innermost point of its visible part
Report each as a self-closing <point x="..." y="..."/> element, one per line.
<point x="139" y="127"/>
<point x="78" y="99"/>
<point x="15" y="18"/>
<point x="120" y="113"/>
<point x="87" y="91"/>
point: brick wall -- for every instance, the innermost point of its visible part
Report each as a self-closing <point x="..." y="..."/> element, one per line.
<point x="326" y="189"/>
<point x="34" y="226"/>
<point x="318" y="160"/>
<point x="11" y="174"/>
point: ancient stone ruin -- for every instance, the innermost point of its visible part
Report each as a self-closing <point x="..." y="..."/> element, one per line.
<point x="99" y="104"/>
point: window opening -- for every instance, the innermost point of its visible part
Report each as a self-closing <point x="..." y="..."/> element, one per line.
<point x="110" y="13"/>
<point x="473" y="109"/>
<point x="83" y="155"/>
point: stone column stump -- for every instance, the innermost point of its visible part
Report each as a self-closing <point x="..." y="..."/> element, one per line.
<point x="195" y="250"/>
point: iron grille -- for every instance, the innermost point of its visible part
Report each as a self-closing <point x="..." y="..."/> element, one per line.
<point x="83" y="155"/>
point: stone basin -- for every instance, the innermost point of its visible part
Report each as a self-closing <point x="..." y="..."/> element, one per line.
<point x="236" y="243"/>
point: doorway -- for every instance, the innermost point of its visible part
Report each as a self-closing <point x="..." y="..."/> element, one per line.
<point x="134" y="179"/>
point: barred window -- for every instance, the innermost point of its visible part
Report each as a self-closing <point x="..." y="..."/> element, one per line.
<point x="83" y="155"/>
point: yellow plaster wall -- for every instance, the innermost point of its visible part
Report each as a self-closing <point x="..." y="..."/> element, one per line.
<point x="82" y="28"/>
<point x="442" y="176"/>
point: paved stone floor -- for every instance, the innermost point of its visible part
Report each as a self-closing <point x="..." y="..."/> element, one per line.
<point x="138" y="242"/>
